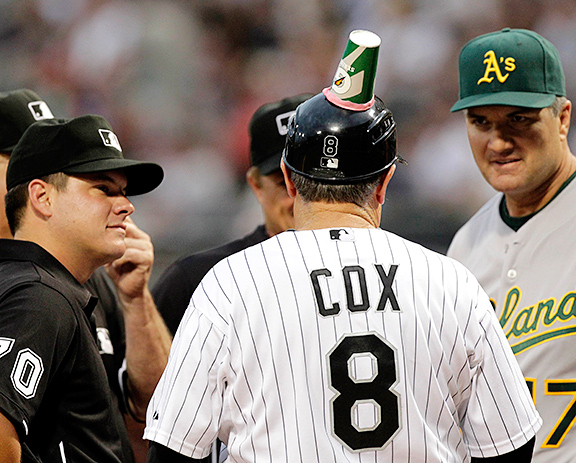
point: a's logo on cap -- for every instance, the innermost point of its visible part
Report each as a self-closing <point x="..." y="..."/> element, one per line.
<point x="282" y="122"/>
<point x="110" y="139"/>
<point x="40" y="110"/>
<point x="493" y="66"/>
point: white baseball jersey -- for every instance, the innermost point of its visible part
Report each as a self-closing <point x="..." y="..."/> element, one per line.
<point x="531" y="277"/>
<point x="341" y="345"/>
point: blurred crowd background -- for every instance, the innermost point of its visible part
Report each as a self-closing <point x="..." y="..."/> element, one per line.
<point x="179" y="80"/>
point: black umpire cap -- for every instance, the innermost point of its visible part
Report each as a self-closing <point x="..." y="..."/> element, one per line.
<point x="268" y="129"/>
<point x="82" y="145"/>
<point x="18" y="110"/>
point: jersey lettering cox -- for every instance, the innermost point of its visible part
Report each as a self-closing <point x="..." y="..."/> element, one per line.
<point x="359" y="304"/>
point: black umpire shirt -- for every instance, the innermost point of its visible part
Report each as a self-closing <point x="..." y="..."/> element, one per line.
<point x="53" y="384"/>
<point x="174" y="288"/>
<point x="111" y="340"/>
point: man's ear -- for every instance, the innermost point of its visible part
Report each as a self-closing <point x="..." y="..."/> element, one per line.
<point x="288" y="180"/>
<point x="565" y="116"/>
<point x="41" y="198"/>
<point x="253" y="179"/>
<point x="384" y="181"/>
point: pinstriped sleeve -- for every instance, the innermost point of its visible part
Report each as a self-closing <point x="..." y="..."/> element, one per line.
<point x="501" y="415"/>
<point x="183" y="414"/>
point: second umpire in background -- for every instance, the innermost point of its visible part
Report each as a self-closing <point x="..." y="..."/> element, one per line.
<point x="268" y="128"/>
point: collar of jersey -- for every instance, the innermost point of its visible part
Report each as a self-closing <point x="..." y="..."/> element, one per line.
<point x="516" y="222"/>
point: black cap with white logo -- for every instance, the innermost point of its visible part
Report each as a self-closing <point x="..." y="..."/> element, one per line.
<point x="18" y="110"/>
<point x="82" y="145"/>
<point x="268" y="128"/>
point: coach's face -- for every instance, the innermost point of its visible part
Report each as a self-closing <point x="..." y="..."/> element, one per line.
<point x="91" y="212"/>
<point x="519" y="151"/>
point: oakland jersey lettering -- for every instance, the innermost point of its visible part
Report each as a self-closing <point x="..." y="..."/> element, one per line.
<point x="535" y="318"/>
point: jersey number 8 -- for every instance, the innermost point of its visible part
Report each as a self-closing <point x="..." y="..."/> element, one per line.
<point x="365" y="409"/>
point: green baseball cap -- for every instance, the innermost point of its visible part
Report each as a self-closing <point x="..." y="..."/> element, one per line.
<point x="82" y="145"/>
<point x="511" y="67"/>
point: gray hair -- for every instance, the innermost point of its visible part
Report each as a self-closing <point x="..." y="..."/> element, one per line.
<point x="557" y="106"/>
<point x="313" y="191"/>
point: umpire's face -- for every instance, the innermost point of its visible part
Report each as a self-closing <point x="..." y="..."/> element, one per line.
<point x="90" y="214"/>
<point x="518" y="150"/>
<point x="277" y="205"/>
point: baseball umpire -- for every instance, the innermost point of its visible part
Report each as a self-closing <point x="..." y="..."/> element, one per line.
<point x="521" y="244"/>
<point x="18" y="109"/>
<point x="339" y="341"/>
<point x="268" y="128"/>
<point x="132" y="338"/>
<point x="66" y="206"/>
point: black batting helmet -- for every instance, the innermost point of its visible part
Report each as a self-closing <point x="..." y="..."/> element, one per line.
<point x="334" y="145"/>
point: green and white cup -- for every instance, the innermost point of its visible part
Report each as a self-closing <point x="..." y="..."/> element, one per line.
<point x="354" y="78"/>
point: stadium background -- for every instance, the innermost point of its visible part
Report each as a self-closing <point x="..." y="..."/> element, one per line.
<point x="179" y="80"/>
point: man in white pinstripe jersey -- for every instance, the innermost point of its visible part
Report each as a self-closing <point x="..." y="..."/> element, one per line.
<point x="339" y="341"/>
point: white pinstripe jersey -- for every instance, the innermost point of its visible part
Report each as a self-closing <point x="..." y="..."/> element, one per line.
<point x="531" y="276"/>
<point x="341" y="346"/>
